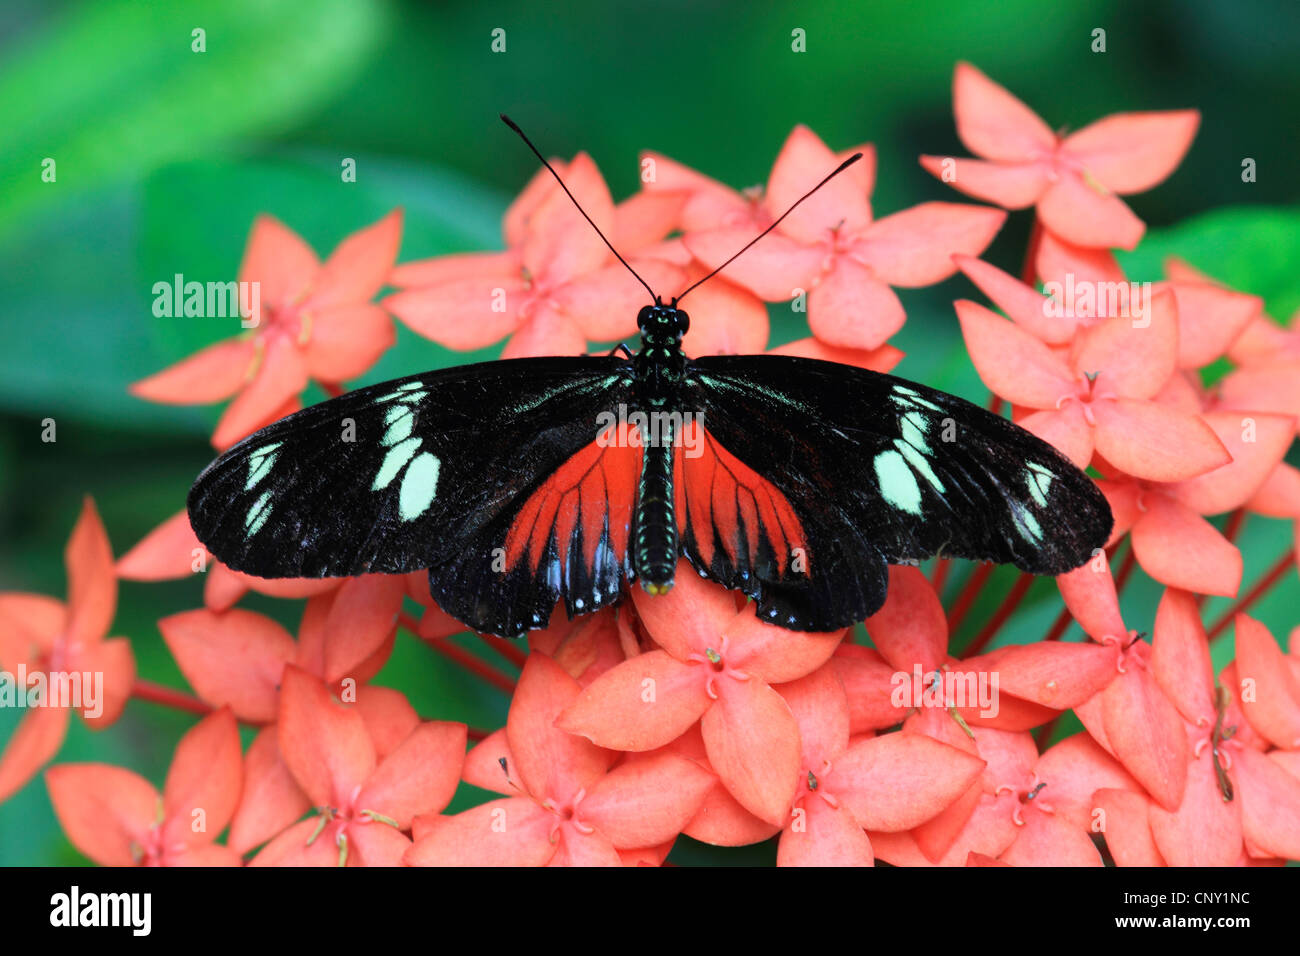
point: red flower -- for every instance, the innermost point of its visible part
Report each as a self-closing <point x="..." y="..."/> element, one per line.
<point x="557" y="285"/>
<point x="173" y="551"/>
<point x="715" y="666"/>
<point x="1236" y="796"/>
<point x="117" y="818"/>
<point x="830" y="247"/>
<point x="1133" y="718"/>
<point x="237" y="659"/>
<point x="1073" y="180"/>
<point x="567" y="806"/>
<point x="1171" y="539"/>
<point x="1099" y="397"/>
<point x="56" y="644"/>
<point x="364" y="802"/>
<point x="889" y="783"/>
<point x="315" y="321"/>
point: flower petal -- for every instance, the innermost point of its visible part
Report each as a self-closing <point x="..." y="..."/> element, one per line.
<point x="1088" y="215"/>
<point x="346" y="340"/>
<point x="911" y="627"/>
<point x="279" y="379"/>
<point x="550" y="763"/>
<point x="360" y="266"/>
<point x="775" y="270"/>
<point x="850" y="308"/>
<point x="1181" y="549"/>
<point x="420" y="776"/>
<point x="1147" y="734"/>
<point x="1180" y="656"/>
<point x="105" y="811"/>
<point x="1205" y="830"/>
<point x="1274" y="707"/>
<point x="462" y="314"/>
<point x="915" y="247"/>
<point x="1150" y="441"/>
<point x="1257" y="443"/>
<point x="1127" y="827"/>
<point x="271" y="798"/>
<point x="897" y="781"/>
<point x="993" y="123"/>
<point x="323" y="743"/>
<point x="643" y="703"/>
<point x="278" y="260"/>
<point x="1131" y="356"/>
<point x="509" y="832"/>
<point x="1065" y="430"/>
<point x="1011" y="362"/>
<point x="803" y="162"/>
<point x="204" y="781"/>
<point x="1009" y="185"/>
<point x="92" y="585"/>
<point x="753" y="745"/>
<point x="824" y="836"/>
<point x="1132" y="152"/>
<point x="231" y="659"/>
<point x="647" y="800"/>
<point x="37" y="738"/>
<point x="212" y="374"/>
<point x="1270" y="805"/>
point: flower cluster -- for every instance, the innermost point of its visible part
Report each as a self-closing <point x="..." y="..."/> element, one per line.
<point x="684" y="714"/>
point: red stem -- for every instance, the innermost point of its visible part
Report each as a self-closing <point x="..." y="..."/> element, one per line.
<point x="461" y="656"/>
<point x="1125" y="570"/>
<point x="1233" y="527"/>
<point x="967" y="596"/>
<point x="941" y="568"/>
<point x="506" y="649"/>
<point x="1262" y="587"/>
<point x="1029" y="270"/>
<point x="1059" y="625"/>
<point x="158" y="694"/>
<point x="1000" y="616"/>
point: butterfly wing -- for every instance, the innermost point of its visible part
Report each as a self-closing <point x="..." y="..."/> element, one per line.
<point x="878" y="466"/>
<point x="432" y="471"/>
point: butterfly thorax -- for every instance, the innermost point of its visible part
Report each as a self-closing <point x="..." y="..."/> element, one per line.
<point x="660" y="367"/>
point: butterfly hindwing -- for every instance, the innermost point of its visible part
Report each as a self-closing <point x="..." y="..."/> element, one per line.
<point x="428" y="471"/>
<point x="910" y="471"/>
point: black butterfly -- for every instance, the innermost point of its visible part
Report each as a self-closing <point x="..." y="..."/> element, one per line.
<point x="522" y="483"/>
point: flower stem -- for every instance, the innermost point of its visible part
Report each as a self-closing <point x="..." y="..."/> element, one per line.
<point x="460" y="656"/>
<point x="967" y="597"/>
<point x="1029" y="270"/>
<point x="1000" y="616"/>
<point x="507" y="650"/>
<point x="1261" y="587"/>
<point x="168" y="697"/>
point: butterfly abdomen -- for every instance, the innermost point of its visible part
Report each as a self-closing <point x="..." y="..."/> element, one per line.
<point x="655" y="546"/>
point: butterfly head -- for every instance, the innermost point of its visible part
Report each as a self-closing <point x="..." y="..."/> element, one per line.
<point x="662" y="324"/>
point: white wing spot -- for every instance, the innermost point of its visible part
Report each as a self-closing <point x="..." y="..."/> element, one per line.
<point x="419" y="485"/>
<point x="920" y="463"/>
<point x="259" y="464"/>
<point x="897" y="483"/>
<point x="400" y="419"/>
<point x="257" y="514"/>
<point x="1039" y="480"/>
<point x="394" y="461"/>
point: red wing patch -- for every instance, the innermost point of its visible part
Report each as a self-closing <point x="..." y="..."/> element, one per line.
<point x="593" y="489"/>
<point x="716" y="491"/>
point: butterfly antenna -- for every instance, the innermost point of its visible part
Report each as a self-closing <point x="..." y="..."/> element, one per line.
<point x="838" y="169"/>
<point x="522" y="135"/>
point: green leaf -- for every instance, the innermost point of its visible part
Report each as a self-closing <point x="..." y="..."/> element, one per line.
<point x="1251" y="248"/>
<point x="114" y="89"/>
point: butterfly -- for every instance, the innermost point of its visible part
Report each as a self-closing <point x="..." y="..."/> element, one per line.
<point x="524" y="484"/>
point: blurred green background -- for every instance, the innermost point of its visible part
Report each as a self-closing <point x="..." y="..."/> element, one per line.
<point x="165" y="155"/>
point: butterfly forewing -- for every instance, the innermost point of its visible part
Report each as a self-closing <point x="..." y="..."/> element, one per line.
<point x="422" y="472"/>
